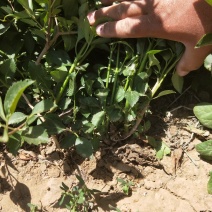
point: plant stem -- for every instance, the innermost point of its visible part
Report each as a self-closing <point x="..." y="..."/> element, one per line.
<point x="144" y="60"/>
<point x="116" y="76"/>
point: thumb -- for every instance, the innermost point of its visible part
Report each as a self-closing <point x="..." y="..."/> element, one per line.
<point x="192" y="59"/>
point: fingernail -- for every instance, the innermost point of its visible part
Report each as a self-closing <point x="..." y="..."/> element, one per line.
<point x="90" y="17"/>
<point x="99" y="29"/>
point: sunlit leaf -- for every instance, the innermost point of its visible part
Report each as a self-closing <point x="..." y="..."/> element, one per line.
<point x="98" y="118"/>
<point x="13" y="95"/>
<point x="43" y="106"/>
<point x="132" y="97"/>
<point x="203" y="112"/>
<point x="205" y="149"/>
<point x="208" y="62"/>
<point x="205" y="40"/>
<point x="16" y="118"/>
<point x="36" y="135"/>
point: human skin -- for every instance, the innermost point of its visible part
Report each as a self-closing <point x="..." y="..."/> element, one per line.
<point x="185" y="21"/>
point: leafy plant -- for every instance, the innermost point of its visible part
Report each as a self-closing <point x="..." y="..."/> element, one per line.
<point x="71" y="95"/>
<point x="125" y="185"/>
<point x="78" y="198"/>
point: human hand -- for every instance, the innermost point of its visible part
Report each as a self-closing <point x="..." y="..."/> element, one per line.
<point x="179" y="20"/>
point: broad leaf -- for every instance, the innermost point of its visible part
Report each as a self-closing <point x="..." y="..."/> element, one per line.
<point x="205" y="40"/>
<point x="43" y="106"/>
<point x="208" y="62"/>
<point x="53" y="124"/>
<point x="203" y="112"/>
<point x="16" y="118"/>
<point x="119" y="96"/>
<point x="84" y="147"/>
<point x="205" y="149"/>
<point x="98" y="118"/>
<point x="38" y="74"/>
<point x="36" y="135"/>
<point x="14" y="143"/>
<point x="161" y="148"/>
<point x="132" y="97"/>
<point x="13" y="95"/>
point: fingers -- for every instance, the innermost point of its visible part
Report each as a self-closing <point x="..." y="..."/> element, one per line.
<point x="134" y="27"/>
<point x="119" y="11"/>
<point x="192" y="59"/>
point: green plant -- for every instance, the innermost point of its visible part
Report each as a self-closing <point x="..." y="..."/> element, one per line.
<point x="78" y="198"/>
<point x="125" y="185"/>
<point x="54" y="85"/>
<point x="33" y="208"/>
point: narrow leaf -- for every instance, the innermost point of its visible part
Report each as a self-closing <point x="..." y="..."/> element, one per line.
<point x="177" y="82"/>
<point x="205" y="40"/>
<point x="163" y="93"/>
<point x="2" y="114"/>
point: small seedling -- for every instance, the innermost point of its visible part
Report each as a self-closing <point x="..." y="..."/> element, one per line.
<point x="78" y="198"/>
<point x="125" y="185"/>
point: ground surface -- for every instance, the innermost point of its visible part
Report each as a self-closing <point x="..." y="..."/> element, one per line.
<point x="176" y="183"/>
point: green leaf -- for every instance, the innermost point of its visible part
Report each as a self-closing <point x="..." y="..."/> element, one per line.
<point x="209" y="2"/>
<point x="38" y="74"/>
<point x="68" y="141"/>
<point x="72" y="84"/>
<point x="16" y="118"/>
<point x="35" y="135"/>
<point x="205" y="40"/>
<point x="8" y="68"/>
<point x="102" y="94"/>
<point x="84" y="147"/>
<point x="163" y="93"/>
<point x="43" y="106"/>
<point x="177" y="82"/>
<point x="208" y="62"/>
<point x="205" y="149"/>
<point x="203" y="112"/>
<point x="53" y="124"/>
<point x="119" y="96"/>
<point x="132" y="97"/>
<point x="98" y="118"/>
<point x="2" y="114"/>
<point x="114" y="114"/>
<point x="14" y="143"/>
<point x="13" y="95"/>
<point x="4" y="27"/>
<point x="60" y="74"/>
<point x="210" y="184"/>
<point x="161" y="148"/>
